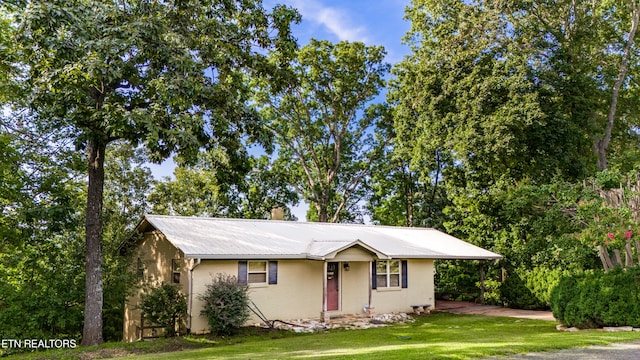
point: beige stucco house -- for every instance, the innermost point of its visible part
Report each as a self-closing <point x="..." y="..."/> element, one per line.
<point x="294" y="270"/>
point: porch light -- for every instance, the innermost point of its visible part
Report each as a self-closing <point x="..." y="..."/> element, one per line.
<point x="346" y="266"/>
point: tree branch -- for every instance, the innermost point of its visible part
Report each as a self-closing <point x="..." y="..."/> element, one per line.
<point x="603" y="144"/>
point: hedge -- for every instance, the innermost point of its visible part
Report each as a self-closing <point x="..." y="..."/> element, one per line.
<point x="595" y="299"/>
<point x="530" y="289"/>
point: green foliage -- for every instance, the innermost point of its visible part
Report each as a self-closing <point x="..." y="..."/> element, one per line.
<point x="468" y="92"/>
<point x="609" y="179"/>
<point x="127" y="183"/>
<point x="168" y="76"/>
<point x="226" y="304"/>
<point x="511" y="96"/>
<point x="596" y="299"/>
<point x="41" y="295"/>
<point x="165" y="306"/>
<point x="530" y="289"/>
<point x="405" y="194"/>
<point x="217" y="187"/>
<point x="192" y="193"/>
<point x="492" y="292"/>
<point x="264" y="187"/>
<point x="323" y="123"/>
<point x="141" y="80"/>
<point x="41" y="257"/>
<point x="456" y="280"/>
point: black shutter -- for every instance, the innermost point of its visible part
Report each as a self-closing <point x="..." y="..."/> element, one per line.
<point x="374" y="279"/>
<point x="242" y="272"/>
<point x="273" y="272"/>
<point x="405" y="275"/>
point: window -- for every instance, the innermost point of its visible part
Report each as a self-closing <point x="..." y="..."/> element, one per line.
<point x="140" y="269"/>
<point x="175" y="268"/>
<point x="257" y="272"/>
<point x="388" y="273"/>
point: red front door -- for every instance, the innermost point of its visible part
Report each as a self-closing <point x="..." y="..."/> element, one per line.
<point x="333" y="286"/>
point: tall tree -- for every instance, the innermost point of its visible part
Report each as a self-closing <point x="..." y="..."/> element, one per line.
<point x="127" y="183"/>
<point x="517" y="95"/>
<point x="406" y="193"/>
<point x="467" y="91"/>
<point x="322" y="125"/>
<point x="583" y="54"/>
<point x="165" y="75"/>
<point x="602" y="144"/>
<point x="40" y="251"/>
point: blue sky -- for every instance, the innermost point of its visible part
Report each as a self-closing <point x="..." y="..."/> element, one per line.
<point x="374" y="22"/>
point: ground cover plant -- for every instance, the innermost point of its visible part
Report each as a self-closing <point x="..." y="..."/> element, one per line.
<point x="437" y="336"/>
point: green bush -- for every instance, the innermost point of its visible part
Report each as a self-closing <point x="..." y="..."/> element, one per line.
<point x="226" y="304"/>
<point x="165" y="306"/>
<point x="530" y="289"/>
<point x="491" y="292"/>
<point x="457" y="280"/>
<point x="595" y="299"/>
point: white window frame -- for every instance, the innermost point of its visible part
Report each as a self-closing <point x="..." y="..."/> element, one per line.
<point x="265" y="272"/>
<point x="387" y="273"/>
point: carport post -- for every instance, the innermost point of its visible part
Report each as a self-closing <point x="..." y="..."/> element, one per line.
<point x="323" y="316"/>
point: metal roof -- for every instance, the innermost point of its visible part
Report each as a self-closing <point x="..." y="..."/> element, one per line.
<point x="217" y="238"/>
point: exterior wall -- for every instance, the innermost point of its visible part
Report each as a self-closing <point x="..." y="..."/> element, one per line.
<point x="298" y="293"/>
<point x="355" y="253"/>
<point x="420" y="290"/>
<point x="156" y="254"/>
<point x="354" y="283"/>
<point x="355" y="287"/>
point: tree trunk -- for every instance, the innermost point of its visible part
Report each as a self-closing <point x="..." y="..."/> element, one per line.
<point x="409" y="204"/>
<point x="602" y="145"/>
<point x="323" y="216"/>
<point x="92" y="331"/>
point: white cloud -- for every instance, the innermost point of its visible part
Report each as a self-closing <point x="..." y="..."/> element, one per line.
<point x="336" y="21"/>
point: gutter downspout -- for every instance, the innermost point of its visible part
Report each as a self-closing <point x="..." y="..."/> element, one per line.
<point x="190" y="295"/>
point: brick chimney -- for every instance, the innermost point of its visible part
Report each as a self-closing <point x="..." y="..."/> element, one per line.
<point x="277" y="213"/>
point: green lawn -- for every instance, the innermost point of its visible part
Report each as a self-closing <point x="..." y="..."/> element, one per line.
<point x="437" y="336"/>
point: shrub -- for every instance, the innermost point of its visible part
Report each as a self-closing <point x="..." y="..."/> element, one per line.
<point x="491" y="292"/>
<point x="457" y="280"/>
<point x="226" y="304"/>
<point x="165" y="306"/>
<point x="595" y="299"/>
<point x="530" y="289"/>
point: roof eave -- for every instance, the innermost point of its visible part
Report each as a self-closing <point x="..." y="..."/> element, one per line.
<point x="453" y="257"/>
<point x="246" y="256"/>
<point x="322" y="258"/>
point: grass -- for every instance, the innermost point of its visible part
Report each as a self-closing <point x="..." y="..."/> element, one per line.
<point x="438" y="336"/>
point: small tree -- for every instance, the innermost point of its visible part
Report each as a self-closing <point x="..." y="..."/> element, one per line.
<point x="165" y="306"/>
<point x="226" y="304"/>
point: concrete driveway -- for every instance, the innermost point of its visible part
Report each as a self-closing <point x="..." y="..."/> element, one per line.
<point x="461" y="307"/>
